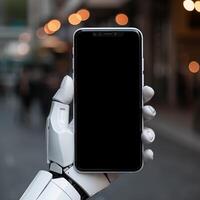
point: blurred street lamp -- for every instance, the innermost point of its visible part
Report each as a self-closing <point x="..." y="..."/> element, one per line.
<point x="197" y="6"/>
<point x="54" y="25"/>
<point x="121" y="19"/>
<point x="84" y="13"/>
<point x="74" y="19"/>
<point x="188" y="5"/>
<point x="194" y="67"/>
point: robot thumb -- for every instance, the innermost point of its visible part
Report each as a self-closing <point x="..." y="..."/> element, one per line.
<point x="66" y="91"/>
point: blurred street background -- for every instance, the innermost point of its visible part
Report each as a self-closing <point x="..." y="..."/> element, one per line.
<point x="35" y="54"/>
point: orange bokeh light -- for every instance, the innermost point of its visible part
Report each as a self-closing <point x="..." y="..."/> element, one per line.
<point x="121" y="19"/>
<point x="194" y="67"/>
<point x="84" y="13"/>
<point x="47" y="31"/>
<point x="74" y="19"/>
<point x="54" y="25"/>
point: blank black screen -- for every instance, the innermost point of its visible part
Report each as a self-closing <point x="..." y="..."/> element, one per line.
<point x="108" y="100"/>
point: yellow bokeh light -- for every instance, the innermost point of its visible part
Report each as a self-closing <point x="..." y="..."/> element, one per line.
<point x="188" y="5"/>
<point x="121" y="19"/>
<point x="194" y="67"/>
<point x="74" y="19"/>
<point x="84" y="13"/>
<point x="54" y="25"/>
<point x="197" y="6"/>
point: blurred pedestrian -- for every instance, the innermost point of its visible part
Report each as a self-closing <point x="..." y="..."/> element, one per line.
<point x="24" y="93"/>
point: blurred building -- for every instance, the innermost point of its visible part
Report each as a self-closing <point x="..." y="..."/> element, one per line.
<point x="17" y="18"/>
<point x="171" y="36"/>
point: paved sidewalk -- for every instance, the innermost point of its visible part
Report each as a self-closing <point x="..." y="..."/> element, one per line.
<point x="176" y="124"/>
<point x="22" y="149"/>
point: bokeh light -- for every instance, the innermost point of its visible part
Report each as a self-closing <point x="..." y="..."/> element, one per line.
<point x="74" y="19"/>
<point x="121" y="19"/>
<point x="197" y="6"/>
<point x="25" y="37"/>
<point x="194" y="67"/>
<point x="23" y="49"/>
<point x="46" y="30"/>
<point x="54" y="25"/>
<point x="84" y="13"/>
<point x="188" y="5"/>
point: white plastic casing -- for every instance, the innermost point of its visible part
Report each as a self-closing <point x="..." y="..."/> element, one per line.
<point x="91" y="183"/>
<point x="60" y="140"/>
<point x="43" y="187"/>
<point x="65" y="92"/>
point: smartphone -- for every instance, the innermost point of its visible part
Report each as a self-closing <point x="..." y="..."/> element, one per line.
<point x="108" y="70"/>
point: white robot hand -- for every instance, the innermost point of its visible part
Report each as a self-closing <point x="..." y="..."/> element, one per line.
<point x="64" y="182"/>
<point x="63" y="98"/>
